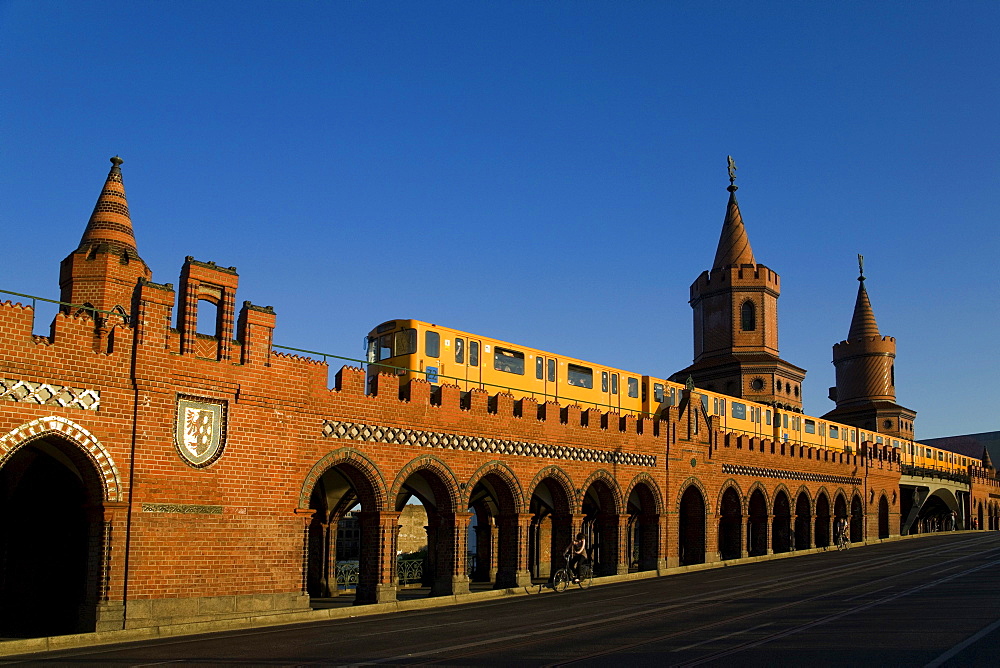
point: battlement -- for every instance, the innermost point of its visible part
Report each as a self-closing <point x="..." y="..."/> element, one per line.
<point x="744" y="275"/>
<point x="885" y="345"/>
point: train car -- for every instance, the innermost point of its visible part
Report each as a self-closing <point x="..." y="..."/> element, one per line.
<point x="442" y="355"/>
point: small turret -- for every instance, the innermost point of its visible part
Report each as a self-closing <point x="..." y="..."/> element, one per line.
<point x="866" y="374"/>
<point x="105" y="268"/>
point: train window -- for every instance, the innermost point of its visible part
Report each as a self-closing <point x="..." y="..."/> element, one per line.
<point x="386" y="326"/>
<point x="722" y="407"/>
<point x="658" y="393"/>
<point x="552" y="371"/>
<point x="785" y="420"/>
<point x="604" y="381"/>
<point x="473" y="353"/>
<point x="673" y="396"/>
<point x="633" y="387"/>
<point x="810" y="426"/>
<point x="715" y="405"/>
<point x="508" y="361"/>
<point x="539" y="368"/>
<point x="459" y="351"/>
<point x="834" y="432"/>
<point x="767" y="417"/>
<point x="878" y="439"/>
<point x="580" y="376"/>
<point x="853" y="433"/>
<point x="385" y="346"/>
<point x="432" y="344"/>
<point x="405" y="342"/>
<point x="822" y="429"/>
<point x="614" y="383"/>
<point x="372" y="349"/>
<point x="739" y="410"/>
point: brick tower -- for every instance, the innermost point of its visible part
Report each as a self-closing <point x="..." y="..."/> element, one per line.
<point x="105" y="268"/>
<point x="736" y="323"/>
<point x="866" y="375"/>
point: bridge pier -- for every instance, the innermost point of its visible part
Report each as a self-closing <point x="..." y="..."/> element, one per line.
<point x="377" y="577"/>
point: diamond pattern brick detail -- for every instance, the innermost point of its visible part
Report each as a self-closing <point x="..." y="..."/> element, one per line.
<point x="46" y="394"/>
<point x="427" y="439"/>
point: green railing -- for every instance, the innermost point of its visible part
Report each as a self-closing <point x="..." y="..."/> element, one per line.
<point x="477" y="383"/>
<point x="83" y="307"/>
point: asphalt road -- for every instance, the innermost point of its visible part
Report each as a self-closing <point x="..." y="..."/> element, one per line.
<point x="933" y="601"/>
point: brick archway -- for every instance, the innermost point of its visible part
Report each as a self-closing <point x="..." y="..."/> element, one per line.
<point x="551" y="503"/>
<point x="645" y="530"/>
<point x="356" y="461"/>
<point x="86" y="443"/>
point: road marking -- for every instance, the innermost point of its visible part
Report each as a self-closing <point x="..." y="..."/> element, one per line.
<point x="962" y="645"/>
<point x="728" y="635"/>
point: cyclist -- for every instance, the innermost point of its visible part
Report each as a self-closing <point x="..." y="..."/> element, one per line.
<point x="575" y="552"/>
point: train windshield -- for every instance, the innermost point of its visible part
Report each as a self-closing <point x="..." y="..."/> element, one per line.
<point x="392" y="344"/>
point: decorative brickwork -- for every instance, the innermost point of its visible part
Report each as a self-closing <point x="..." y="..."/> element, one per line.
<point x="45" y="394"/>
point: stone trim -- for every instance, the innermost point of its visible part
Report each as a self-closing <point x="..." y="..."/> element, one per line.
<point x="46" y="394"/>
<point x="68" y="429"/>
<point x="184" y="508"/>
<point x="353" y="431"/>
<point x="754" y="471"/>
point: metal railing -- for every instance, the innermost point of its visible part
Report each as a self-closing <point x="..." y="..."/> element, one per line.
<point x="409" y="571"/>
<point x="82" y="307"/>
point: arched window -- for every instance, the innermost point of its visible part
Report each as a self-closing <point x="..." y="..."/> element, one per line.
<point x="748" y="316"/>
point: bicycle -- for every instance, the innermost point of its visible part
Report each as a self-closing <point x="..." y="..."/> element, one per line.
<point x="842" y="541"/>
<point x="564" y="576"/>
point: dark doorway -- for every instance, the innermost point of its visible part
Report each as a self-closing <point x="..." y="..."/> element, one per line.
<point x="48" y="571"/>
<point x="691" y="527"/>
<point x="757" y="525"/>
<point x="781" y="535"/>
<point x="803" y="522"/>
<point x="883" y="517"/>
<point x="857" y="520"/>
<point x="822" y="521"/>
<point x="730" y="526"/>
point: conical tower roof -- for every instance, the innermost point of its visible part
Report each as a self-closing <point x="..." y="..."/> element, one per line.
<point x="734" y="244"/>
<point x="987" y="462"/>
<point x="110" y="223"/>
<point x="863" y="323"/>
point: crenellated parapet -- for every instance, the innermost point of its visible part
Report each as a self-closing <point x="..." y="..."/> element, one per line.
<point x="748" y="276"/>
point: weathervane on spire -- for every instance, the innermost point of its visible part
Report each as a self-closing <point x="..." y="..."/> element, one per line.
<point x="732" y="170"/>
<point x="861" y="267"/>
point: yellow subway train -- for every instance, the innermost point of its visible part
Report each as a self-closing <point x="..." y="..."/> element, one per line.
<point x="442" y="355"/>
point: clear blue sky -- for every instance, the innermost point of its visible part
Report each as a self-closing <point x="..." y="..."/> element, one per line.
<point x="548" y="173"/>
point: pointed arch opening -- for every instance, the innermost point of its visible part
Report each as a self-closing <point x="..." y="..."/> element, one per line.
<point x="691" y="527"/>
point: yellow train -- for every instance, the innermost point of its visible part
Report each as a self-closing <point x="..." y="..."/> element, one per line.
<point x="441" y="355"/>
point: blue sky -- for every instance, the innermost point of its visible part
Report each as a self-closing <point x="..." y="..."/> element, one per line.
<point x="548" y="173"/>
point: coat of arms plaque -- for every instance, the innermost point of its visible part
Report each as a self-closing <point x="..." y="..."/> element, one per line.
<point x="200" y="431"/>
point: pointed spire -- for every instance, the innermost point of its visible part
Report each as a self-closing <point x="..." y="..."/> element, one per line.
<point x="863" y="323"/>
<point x="110" y="223"/>
<point x="734" y="245"/>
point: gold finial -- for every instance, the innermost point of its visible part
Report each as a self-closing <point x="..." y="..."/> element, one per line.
<point x="732" y="169"/>
<point x="861" y="267"/>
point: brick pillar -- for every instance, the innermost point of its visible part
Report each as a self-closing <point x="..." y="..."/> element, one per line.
<point x="512" y="563"/>
<point x="227" y="316"/>
<point x="108" y="540"/>
<point x="671" y="539"/>
<point x="712" y="537"/>
<point x="377" y="581"/>
<point x="651" y="555"/>
<point x="770" y="534"/>
<point x="615" y="557"/>
<point x="330" y="565"/>
<point x="451" y="576"/>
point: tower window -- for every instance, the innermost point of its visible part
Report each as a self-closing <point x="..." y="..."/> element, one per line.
<point x="748" y="316"/>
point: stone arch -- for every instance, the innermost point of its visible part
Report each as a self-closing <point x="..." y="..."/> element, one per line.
<point x="505" y="473"/>
<point x="443" y="473"/>
<point x="757" y="485"/>
<point x="781" y="510"/>
<point x="644" y="535"/>
<point x="757" y="504"/>
<point x="722" y="491"/>
<point x="803" y="510"/>
<point x="823" y="518"/>
<point x="86" y="443"/>
<point x="683" y="488"/>
<point x="692" y="511"/>
<point x="561" y="478"/>
<point x="646" y="479"/>
<point x="605" y="476"/>
<point x="730" y="515"/>
<point x="356" y="460"/>
<point x="551" y="499"/>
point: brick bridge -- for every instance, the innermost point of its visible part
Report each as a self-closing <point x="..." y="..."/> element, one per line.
<point x="151" y="475"/>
